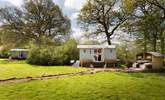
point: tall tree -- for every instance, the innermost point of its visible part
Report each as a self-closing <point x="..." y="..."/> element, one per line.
<point x="103" y="16"/>
<point x="147" y="19"/>
<point x="161" y="5"/>
<point x="35" y="19"/>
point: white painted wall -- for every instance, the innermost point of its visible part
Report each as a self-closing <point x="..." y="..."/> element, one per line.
<point x="107" y="53"/>
<point x="110" y="54"/>
<point x="85" y="55"/>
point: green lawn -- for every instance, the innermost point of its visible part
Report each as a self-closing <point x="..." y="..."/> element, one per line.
<point x="100" y="86"/>
<point x="20" y="69"/>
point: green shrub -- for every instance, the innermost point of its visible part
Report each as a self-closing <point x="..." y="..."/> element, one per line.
<point x="4" y="54"/>
<point x="53" y="55"/>
<point x="46" y="55"/>
<point x="71" y="51"/>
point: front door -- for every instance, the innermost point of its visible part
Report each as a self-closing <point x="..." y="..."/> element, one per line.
<point x="98" y="55"/>
<point x="99" y="58"/>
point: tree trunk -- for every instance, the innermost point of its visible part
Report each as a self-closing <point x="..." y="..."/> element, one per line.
<point x="154" y="45"/>
<point x="108" y="40"/>
<point x="162" y="45"/>
<point x="145" y="44"/>
<point x="38" y="41"/>
<point x="154" y="39"/>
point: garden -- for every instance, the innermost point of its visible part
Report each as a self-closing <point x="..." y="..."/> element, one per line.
<point x="98" y="86"/>
<point x="39" y="44"/>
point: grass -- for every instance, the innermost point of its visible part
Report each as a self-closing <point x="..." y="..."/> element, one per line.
<point x="100" y="86"/>
<point x="20" y="69"/>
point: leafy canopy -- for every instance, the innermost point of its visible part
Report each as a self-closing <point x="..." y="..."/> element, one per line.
<point x="36" y="18"/>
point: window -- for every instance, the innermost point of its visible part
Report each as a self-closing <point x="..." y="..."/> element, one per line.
<point x="149" y="57"/>
<point x="84" y="50"/>
<point x="95" y="57"/>
<point x="99" y="50"/>
<point x="95" y="51"/>
<point x="98" y="54"/>
<point x="110" y="50"/>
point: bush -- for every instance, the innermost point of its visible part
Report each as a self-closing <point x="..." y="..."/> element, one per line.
<point x="46" y="56"/>
<point x="53" y="55"/>
<point x="4" y="54"/>
<point x="71" y="51"/>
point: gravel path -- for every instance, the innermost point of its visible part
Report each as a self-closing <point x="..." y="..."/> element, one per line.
<point x="16" y="80"/>
<point x="91" y="71"/>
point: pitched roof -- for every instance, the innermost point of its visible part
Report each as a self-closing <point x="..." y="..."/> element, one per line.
<point x="96" y="46"/>
<point x="19" y="50"/>
<point x="156" y="54"/>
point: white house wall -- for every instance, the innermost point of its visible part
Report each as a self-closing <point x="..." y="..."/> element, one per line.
<point x="108" y="54"/>
<point x="86" y="55"/>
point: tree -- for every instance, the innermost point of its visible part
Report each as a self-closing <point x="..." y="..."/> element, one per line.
<point x="161" y="5"/>
<point x="147" y="23"/>
<point x="71" y="51"/>
<point x="35" y="19"/>
<point x="101" y="16"/>
<point x="50" y="54"/>
<point x="11" y="39"/>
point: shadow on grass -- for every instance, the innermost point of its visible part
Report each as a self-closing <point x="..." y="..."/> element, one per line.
<point x="7" y="61"/>
<point x="156" y="74"/>
<point x="4" y="61"/>
<point x="149" y="75"/>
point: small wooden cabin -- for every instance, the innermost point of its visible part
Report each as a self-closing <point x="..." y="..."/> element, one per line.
<point x="97" y="55"/>
<point x="19" y="53"/>
<point x="154" y="59"/>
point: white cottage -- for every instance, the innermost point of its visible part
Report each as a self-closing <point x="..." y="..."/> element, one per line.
<point x="97" y="55"/>
<point x="19" y="53"/>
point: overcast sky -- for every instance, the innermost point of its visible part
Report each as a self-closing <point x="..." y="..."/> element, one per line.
<point x="69" y="7"/>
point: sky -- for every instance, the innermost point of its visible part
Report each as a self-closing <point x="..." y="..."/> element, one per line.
<point x="70" y="8"/>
